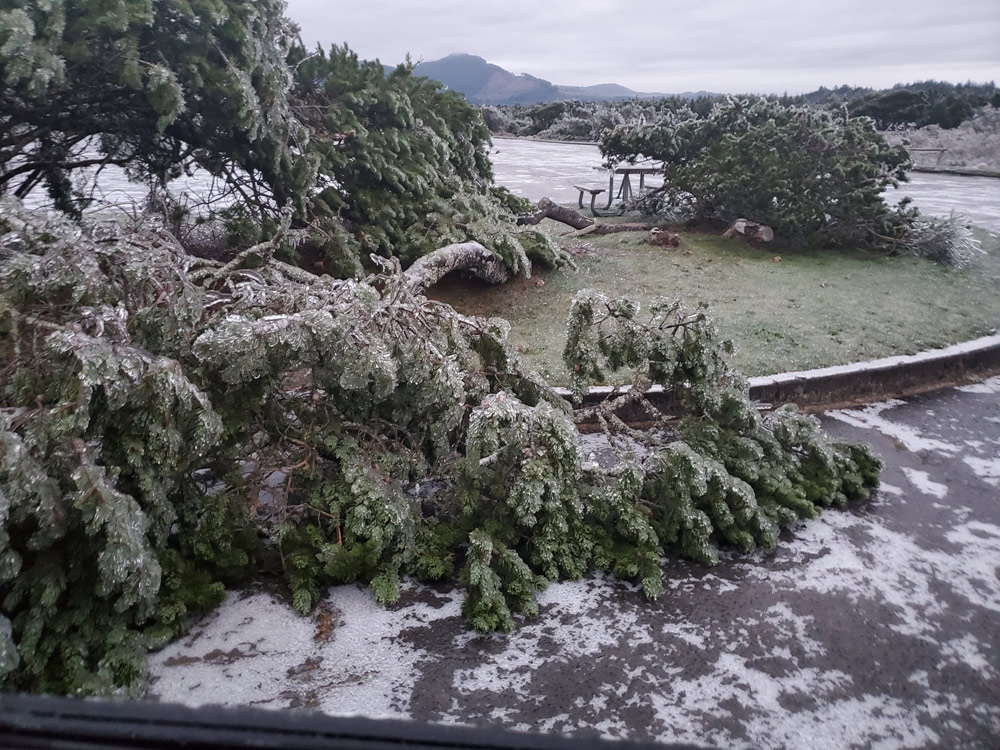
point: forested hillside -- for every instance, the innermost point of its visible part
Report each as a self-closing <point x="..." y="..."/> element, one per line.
<point x="904" y="107"/>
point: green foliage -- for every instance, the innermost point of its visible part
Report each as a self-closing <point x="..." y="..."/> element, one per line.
<point x="544" y="115"/>
<point x="921" y="104"/>
<point x="903" y="106"/>
<point x="152" y="87"/>
<point x="404" y="165"/>
<point x="721" y="471"/>
<point x="96" y="454"/>
<point x="813" y="177"/>
<point x="499" y="584"/>
<point x="169" y="424"/>
<point x="371" y="163"/>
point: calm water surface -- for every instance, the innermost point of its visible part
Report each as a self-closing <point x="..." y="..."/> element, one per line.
<point x="534" y="169"/>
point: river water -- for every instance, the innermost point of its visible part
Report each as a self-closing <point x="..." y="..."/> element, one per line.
<point x="537" y="169"/>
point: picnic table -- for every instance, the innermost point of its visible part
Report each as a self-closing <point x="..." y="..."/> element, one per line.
<point x="625" y="192"/>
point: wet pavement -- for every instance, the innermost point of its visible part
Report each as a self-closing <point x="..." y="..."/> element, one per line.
<point x="873" y="628"/>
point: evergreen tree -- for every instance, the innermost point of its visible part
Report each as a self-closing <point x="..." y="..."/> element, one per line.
<point x="813" y="177"/>
<point x="404" y="166"/>
<point x="170" y="424"/>
<point x="152" y="87"/>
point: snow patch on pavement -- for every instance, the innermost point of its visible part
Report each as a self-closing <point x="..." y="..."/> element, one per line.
<point x="254" y="650"/>
<point x="775" y="665"/>
<point x="987" y="469"/>
<point x="870" y="417"/>
<point x="988" y="386"/>
<point x="785" y="650"/>
<point x="923" y="482"/>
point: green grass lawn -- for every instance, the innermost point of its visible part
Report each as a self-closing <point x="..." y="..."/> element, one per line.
<point x="808" y="309"/>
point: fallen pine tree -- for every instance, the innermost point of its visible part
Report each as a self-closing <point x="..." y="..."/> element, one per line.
<point x="171" y="425"/>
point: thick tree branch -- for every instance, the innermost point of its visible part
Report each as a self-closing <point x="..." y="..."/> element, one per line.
<point x="546" y="209"/>
<point x="463" y="256"/>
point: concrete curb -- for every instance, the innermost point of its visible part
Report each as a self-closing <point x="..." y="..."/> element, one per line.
<point x="849" y="385"/>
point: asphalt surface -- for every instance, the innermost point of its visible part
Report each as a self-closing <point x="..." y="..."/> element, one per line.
<point x="878" y="627"/>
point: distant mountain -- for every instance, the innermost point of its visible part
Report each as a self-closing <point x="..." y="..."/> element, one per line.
<point x="608" y="91"/>
<point x="601" y="92"/>
<point x="486" y="83"/>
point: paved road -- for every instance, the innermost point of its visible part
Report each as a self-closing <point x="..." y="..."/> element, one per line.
<point x="874" y="628"/>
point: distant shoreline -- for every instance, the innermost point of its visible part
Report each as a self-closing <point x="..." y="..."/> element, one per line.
<point x="541" y="140"/>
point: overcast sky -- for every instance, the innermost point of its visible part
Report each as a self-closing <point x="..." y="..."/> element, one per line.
<point x="670" y="46"/>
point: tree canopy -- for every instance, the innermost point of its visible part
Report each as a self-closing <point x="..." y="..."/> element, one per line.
<point x="817" y="178"/>
<point x="904" y="106"/>
<point x="403" y="165"/>
<point x="151" y="87"/>
<point x="375" y="163"/>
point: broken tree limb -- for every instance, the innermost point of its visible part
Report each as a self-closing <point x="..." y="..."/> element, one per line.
<point x="463" y="256"/>
<point x="613" y="228"/>
<point x="546" y="209"/>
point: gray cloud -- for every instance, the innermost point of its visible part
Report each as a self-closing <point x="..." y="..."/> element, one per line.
<point x="675" y="45"/>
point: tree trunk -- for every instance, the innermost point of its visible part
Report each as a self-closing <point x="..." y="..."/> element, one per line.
<point x="464" y="256"/>
<point x="546" y="209"/>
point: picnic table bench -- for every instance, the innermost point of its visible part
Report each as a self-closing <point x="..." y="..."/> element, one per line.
<point x="625" y="192"/>
<point x="594" y="192"/>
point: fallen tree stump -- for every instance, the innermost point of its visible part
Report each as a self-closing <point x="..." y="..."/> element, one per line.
<point x="663" y="238"/>
<point x="751" y="230"/>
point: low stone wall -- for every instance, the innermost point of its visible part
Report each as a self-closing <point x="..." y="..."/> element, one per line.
<point x="849" y="385"/>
